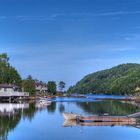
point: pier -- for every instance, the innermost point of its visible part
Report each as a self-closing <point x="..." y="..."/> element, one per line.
<point x="12" y="96"/>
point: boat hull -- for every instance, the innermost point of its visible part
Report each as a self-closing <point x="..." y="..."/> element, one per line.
<point x="70" y="116"/>
<point x="106" y="119"/>
<point x="96" y="118"/>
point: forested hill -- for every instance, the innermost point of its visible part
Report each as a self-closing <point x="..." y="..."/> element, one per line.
<point x="122" y="79"/>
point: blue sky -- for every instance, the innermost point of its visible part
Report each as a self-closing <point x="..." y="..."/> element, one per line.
<point x="67" y="39"/>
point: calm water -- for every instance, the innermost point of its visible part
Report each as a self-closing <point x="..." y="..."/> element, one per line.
<point x="35" y="122"/>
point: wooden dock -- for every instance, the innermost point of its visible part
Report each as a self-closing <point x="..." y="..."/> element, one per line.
<point x="14" y="94"/>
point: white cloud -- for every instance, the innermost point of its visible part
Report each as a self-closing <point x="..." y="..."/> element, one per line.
<point x="54" y="16"/>
<point x="131" y="37"/>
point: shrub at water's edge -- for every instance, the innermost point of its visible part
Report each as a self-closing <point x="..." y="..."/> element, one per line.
<point x="122" y="79"/>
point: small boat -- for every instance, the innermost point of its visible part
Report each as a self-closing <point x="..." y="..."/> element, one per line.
<point x="44" y="101"/>
<point x="97" y="118"/>
<point x="70" y="123"/>
<point x="107" y="123"/>
<point x="70" y="116"/>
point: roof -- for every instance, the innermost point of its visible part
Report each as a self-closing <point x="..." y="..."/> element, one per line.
<point x="8" y="86"/>
<point x="38" y="83"/>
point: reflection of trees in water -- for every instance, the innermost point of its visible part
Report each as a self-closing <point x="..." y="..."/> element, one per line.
<point x="51" y="108"/>
<point x="110" y="107"/>
<point x="8" y="123"/>
<point x="61" y="107"/>
<point x="30" y="112"/>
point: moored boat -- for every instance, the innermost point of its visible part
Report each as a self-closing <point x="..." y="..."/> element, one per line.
<point x="44" y="101"/>
<point x="70" y="116"/>
<point x="71" y="123"/>
<point x="97" y="118"/>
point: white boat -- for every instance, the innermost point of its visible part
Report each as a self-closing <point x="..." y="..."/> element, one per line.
<point x="70" y="116"/>
<point x="44" y="101"/>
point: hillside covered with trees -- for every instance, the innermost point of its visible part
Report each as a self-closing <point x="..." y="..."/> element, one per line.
<point x="123" y="79"/>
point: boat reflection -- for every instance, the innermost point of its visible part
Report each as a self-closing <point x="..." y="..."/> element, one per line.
<point x="71" y="123"/>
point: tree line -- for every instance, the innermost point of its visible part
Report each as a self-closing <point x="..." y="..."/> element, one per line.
<point x="29" y="83"/>
<point x="123" y="79"/>
<point x="10" y="75"/>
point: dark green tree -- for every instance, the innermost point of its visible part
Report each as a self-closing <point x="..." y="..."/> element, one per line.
<point x="70" y="90"/>
<point x="8" y="74"/>
<point x="28" y="85"/>
<point x="4" y="58"/>
<point x="52" y="87"/>
<point x="61" y="85"/>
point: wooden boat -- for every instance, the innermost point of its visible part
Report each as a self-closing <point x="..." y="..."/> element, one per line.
<point x="71" y="123"/>
<point x="97" y="118"/>
<point x="70" y="116"/>
<point x="107" y="123"/>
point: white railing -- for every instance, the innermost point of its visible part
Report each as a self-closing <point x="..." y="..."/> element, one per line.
<point x="8" y="94"/>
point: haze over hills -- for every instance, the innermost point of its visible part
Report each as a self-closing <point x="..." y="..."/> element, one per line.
<point x="122" y="79"/>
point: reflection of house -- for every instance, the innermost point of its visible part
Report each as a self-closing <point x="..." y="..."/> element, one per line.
<point x="9" y="88"/>
<point x="7" y="109"/>
<point x="41" y="87"/>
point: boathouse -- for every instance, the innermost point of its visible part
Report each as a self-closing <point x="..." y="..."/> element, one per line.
<point x="9" y="88"/>
<point x="11" y="92"/>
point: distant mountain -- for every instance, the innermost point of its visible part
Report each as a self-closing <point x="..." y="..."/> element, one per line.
<point x="122" y="79"/>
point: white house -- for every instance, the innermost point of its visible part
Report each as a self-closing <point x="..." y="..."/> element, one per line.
<point x="41" y="87"/>
<point x="9" y="88"/>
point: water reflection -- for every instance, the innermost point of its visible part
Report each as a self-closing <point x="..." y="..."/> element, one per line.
<point x="12" y="115"/>
<point x="113" y="108"/>
<point x="61" y="108"/>
<point x="52" y="107"/>
<point x="29" y="113"/>
<point x="71" y="123"/>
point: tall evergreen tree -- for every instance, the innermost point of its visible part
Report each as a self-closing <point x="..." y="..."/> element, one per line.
<point x="52" y="87"/>
<point x="61" y="85"/>
<point x="28" y="85"/>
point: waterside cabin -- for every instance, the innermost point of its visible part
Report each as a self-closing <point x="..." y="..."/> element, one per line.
<point x="9" y="88"/>
<point x="41" y="87"/>
<point x="11" y="91"/>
